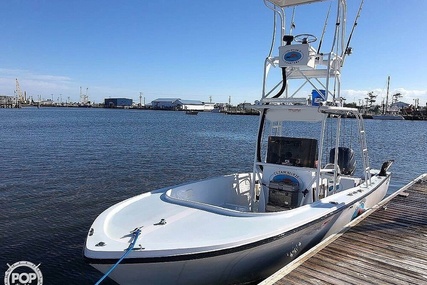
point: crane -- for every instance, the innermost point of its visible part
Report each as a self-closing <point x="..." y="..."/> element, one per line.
<point x="18" y="92"/>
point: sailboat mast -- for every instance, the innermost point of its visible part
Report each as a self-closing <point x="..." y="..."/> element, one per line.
<point x="388" y="89"/>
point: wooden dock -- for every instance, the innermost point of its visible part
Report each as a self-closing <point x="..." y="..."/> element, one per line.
<point x="385" y="245"/>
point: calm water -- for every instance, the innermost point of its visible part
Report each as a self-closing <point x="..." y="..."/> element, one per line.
<point x="60" y="168"/>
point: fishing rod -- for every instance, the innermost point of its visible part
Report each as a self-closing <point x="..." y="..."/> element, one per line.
<point x="347" y="50"/>
<point x="292" y="22"/>
<point x="324" y="29"/>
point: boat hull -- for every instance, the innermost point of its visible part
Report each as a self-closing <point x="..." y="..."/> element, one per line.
<point x="388" y="117"/>
<point x="244" y="264"/>
<point x="236" y="266"/>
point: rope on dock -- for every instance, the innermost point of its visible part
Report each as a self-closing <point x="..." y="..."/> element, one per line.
<point x="136" y="232"/>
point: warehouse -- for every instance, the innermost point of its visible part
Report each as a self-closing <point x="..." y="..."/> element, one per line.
<point x="180" y="104"/>
<point x="164" y="103"/>
<point x="190" y="105"/>
<point x="117" y="103"/>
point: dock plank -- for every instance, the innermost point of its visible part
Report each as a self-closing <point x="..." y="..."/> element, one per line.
<point x="368" y="266"/>
<point x="387" y="245"/>
<point x="334" y="263"/>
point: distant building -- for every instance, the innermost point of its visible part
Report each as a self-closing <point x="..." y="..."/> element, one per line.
<point x="209" y="106"/>
<point x="117" y="102"/>
<point x="180" y="104"/>
<point x="7" y="101"/>
<point x="47" y="102"/>
<point x="245" y="106"/>
<point x="190" y="105"/>
<point x="399" y="105"/>
<point x="164" y="103"/>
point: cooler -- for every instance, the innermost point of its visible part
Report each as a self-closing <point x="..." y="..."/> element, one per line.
<point x="316" y="97"/>
<point x="284" y="195"/>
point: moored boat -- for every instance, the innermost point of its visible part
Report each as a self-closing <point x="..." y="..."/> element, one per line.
<point x="240" y="228"/>
<point x="388" y="114"/>
<point x="388" y="117"/>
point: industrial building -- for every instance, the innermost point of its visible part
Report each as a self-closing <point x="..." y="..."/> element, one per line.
<point x="180" y="104"/>
<point x="117" y="103"/>
<point x="7" y="101"/>
<point x="164" y="103"/>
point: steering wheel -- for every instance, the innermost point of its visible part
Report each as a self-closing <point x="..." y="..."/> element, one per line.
<point x="305" y="38"/>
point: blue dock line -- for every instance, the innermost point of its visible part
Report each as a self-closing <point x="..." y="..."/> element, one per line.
<point x="136" y="232"/>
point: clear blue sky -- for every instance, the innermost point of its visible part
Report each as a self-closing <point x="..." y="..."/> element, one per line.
<point x="193" y="49"/>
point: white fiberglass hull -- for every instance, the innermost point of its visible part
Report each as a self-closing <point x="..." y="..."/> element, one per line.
<point x="239" y="267"/>
<point x="388" y="117"/>
<point x="240" y="263"/>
